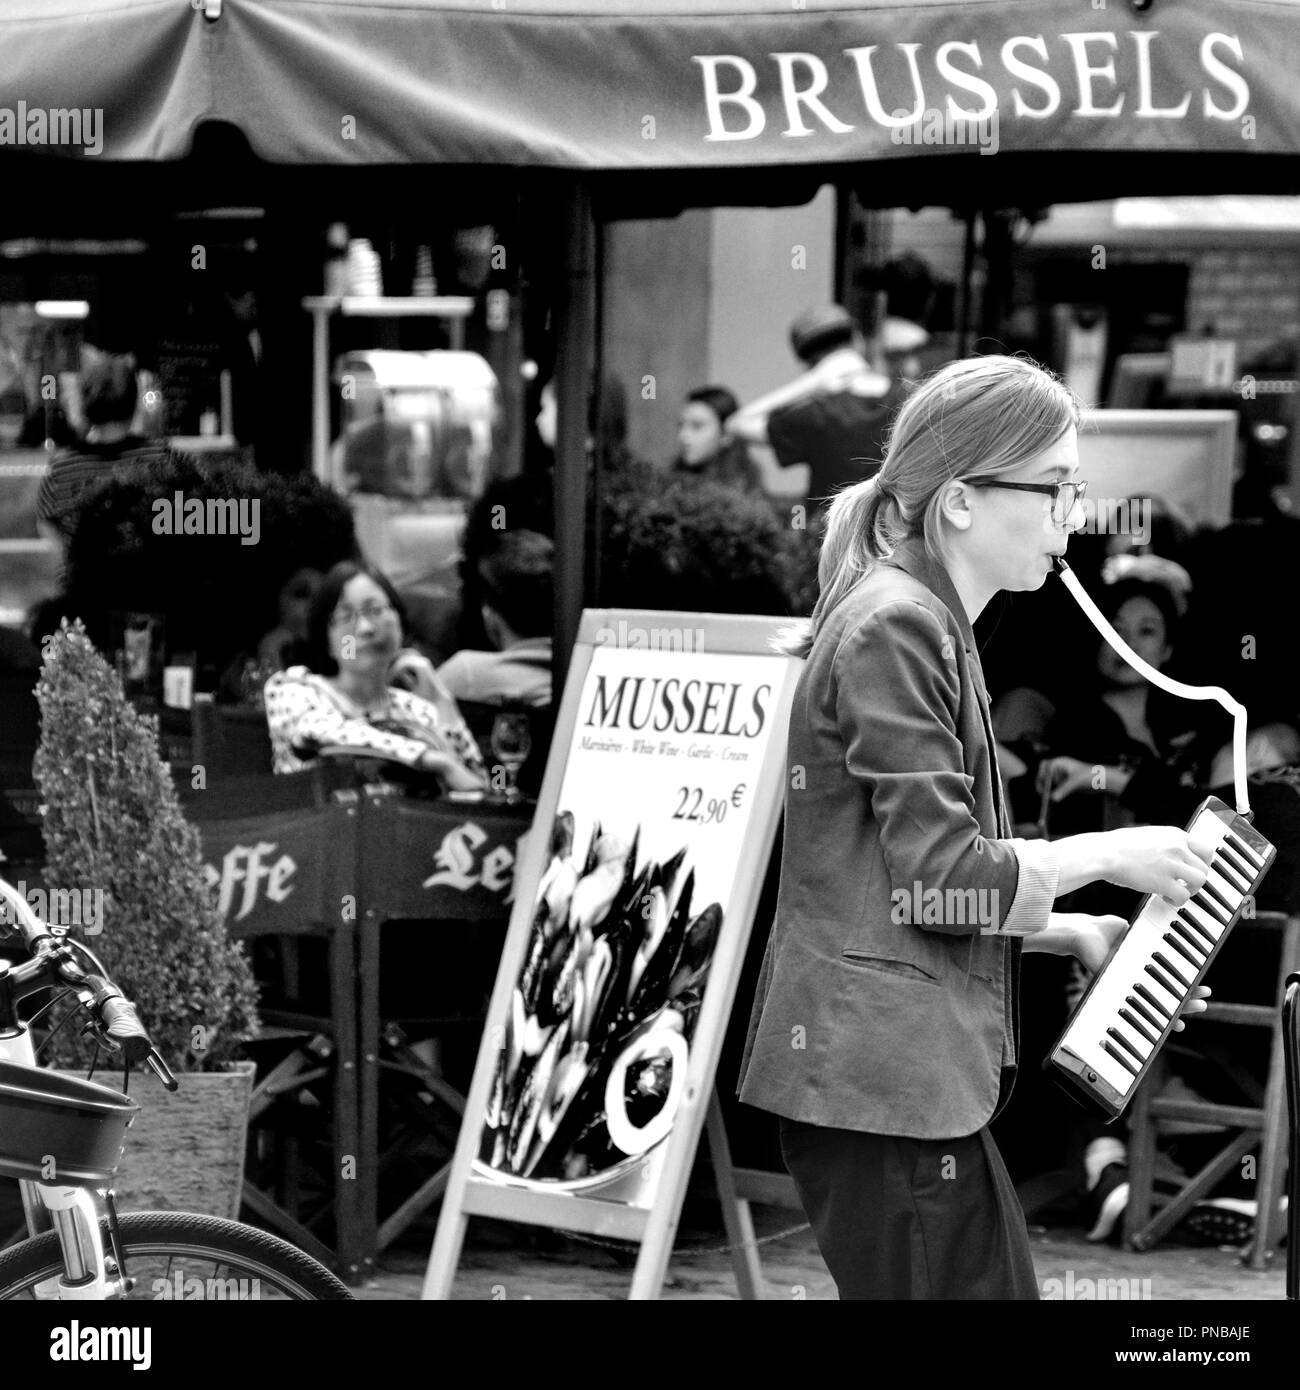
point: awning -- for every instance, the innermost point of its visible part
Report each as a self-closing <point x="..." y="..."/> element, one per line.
<point x="653" y="84"/>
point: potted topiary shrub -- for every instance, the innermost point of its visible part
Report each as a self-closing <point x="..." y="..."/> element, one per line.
<point x="112" y="824"/>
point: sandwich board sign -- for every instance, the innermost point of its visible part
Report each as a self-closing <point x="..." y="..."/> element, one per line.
<point x="634" y="899"/>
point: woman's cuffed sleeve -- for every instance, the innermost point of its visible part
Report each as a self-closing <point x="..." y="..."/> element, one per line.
<point x="1031" y="907"/>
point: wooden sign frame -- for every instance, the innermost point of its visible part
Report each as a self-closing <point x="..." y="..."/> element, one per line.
<point x="652" y="1221"/>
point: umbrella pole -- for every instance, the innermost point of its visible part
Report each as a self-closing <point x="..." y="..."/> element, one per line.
<point x="573" y="362"/>
<point x="603" y="454"/>
<point x="967" y="275"/>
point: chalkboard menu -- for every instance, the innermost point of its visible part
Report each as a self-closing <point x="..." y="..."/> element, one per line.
<point x="189" y="375"/>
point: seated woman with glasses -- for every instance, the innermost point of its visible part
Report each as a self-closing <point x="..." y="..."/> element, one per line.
<point x="1117" y="750"/>
<point x="350" y="693"/>
<point x="1113" y="751"/>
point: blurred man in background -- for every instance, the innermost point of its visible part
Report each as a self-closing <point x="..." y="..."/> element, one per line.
<point x="832" y="419"/>
<point x="517" y="616"/>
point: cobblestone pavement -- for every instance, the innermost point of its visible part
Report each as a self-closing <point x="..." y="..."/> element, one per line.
<point x="502" y="1262"/>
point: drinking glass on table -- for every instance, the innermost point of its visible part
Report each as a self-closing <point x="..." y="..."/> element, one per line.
<point x="512" y="741"/>
<point x="252" y="681"/>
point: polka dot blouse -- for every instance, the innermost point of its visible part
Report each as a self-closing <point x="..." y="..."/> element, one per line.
<point x="303" y="708"/>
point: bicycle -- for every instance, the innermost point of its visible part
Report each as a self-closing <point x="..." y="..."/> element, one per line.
<point x="62" y="1138"/>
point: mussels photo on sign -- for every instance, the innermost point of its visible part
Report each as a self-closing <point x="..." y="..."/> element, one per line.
<point x="593" y="1058"/>
<point x="636" y="887"/>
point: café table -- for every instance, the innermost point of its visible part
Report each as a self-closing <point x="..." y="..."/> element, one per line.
<point x="325" y="853"/>
<point x="448" y="863"/>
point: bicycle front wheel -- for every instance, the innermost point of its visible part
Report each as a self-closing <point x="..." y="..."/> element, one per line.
<point x="181" y="1255"/>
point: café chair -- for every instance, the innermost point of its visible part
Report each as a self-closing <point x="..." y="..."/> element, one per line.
<point x="230" y="740"/>
<point x="1260" y="1125"/>
<point x="304" y="1114"/>
<point x="428" y="954"/>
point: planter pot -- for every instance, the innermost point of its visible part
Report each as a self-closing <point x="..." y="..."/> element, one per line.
<point x="185" y="1151"/>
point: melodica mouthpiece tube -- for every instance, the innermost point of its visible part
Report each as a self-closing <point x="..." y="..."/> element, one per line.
<point x="1173" y="687"/>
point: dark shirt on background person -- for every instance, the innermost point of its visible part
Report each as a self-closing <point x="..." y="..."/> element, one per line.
<point x="525" y="502"/>
<point x="1164" y="783"/>
<point x="516" y="581"/>
<point x="108" y="389"/>
<point x="76" y="471"/>
<point x="835" y="412"/>
<point x="1106" y="776"/>
<point x="827" y="432"/>
<point x="1121" y="747"/>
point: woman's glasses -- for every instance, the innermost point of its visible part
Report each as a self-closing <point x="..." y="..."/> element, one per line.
<point x="372" y="612"/>
<point x="1065" y="496"/>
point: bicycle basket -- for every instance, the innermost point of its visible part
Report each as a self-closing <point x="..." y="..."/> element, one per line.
<point x="60" y="1128"/>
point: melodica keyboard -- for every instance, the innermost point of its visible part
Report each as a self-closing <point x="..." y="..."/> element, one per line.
<point x="1130" y="1007"/>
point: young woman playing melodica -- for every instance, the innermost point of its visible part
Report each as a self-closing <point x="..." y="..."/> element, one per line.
<point x="887" y="1044"/>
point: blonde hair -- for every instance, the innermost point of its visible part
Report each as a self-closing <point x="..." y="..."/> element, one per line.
<point x="981" y="417"/>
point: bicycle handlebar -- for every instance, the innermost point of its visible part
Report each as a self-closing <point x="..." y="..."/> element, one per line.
<point x="28" y="923"/>
<point x="114" y="1020"/>
<point x="121" y="1022"/>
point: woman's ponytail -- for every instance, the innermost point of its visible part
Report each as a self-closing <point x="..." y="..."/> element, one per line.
<point x="863" y="524"/>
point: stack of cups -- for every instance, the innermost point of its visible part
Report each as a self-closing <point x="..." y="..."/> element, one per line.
<point x="364" y="276"/>
<point x="424" y="286"/>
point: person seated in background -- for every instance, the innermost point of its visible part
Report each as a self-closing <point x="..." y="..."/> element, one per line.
<point x="108" y="403"/>
<point x="1146" y="525"/>
<point x="1118" y="751"/>
<point x="1154" y="547"/>
<point x="1127" y="538"/>
<point x="704" y="447"/>
<point x="1120" y="748"/>
<point x="517" y="616"/>
<point x="349" y="693"/>
<point x="1269" y="747"/>
<point x="288" y="637"/>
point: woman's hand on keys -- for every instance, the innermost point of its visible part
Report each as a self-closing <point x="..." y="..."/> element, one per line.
<point x="1157" y="859"/>
<point x="1197" y="1003"/>
<point x="1094" y="940"/>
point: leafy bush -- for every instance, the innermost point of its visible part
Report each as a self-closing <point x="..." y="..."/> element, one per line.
<point x="112" y="821"/>
<point x="688" y="545"/>
<point x="218" y="596"/>
<point x="799" y="552"/>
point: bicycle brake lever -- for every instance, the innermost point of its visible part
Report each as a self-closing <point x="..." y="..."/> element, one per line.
<point x="161" y="1070"/>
